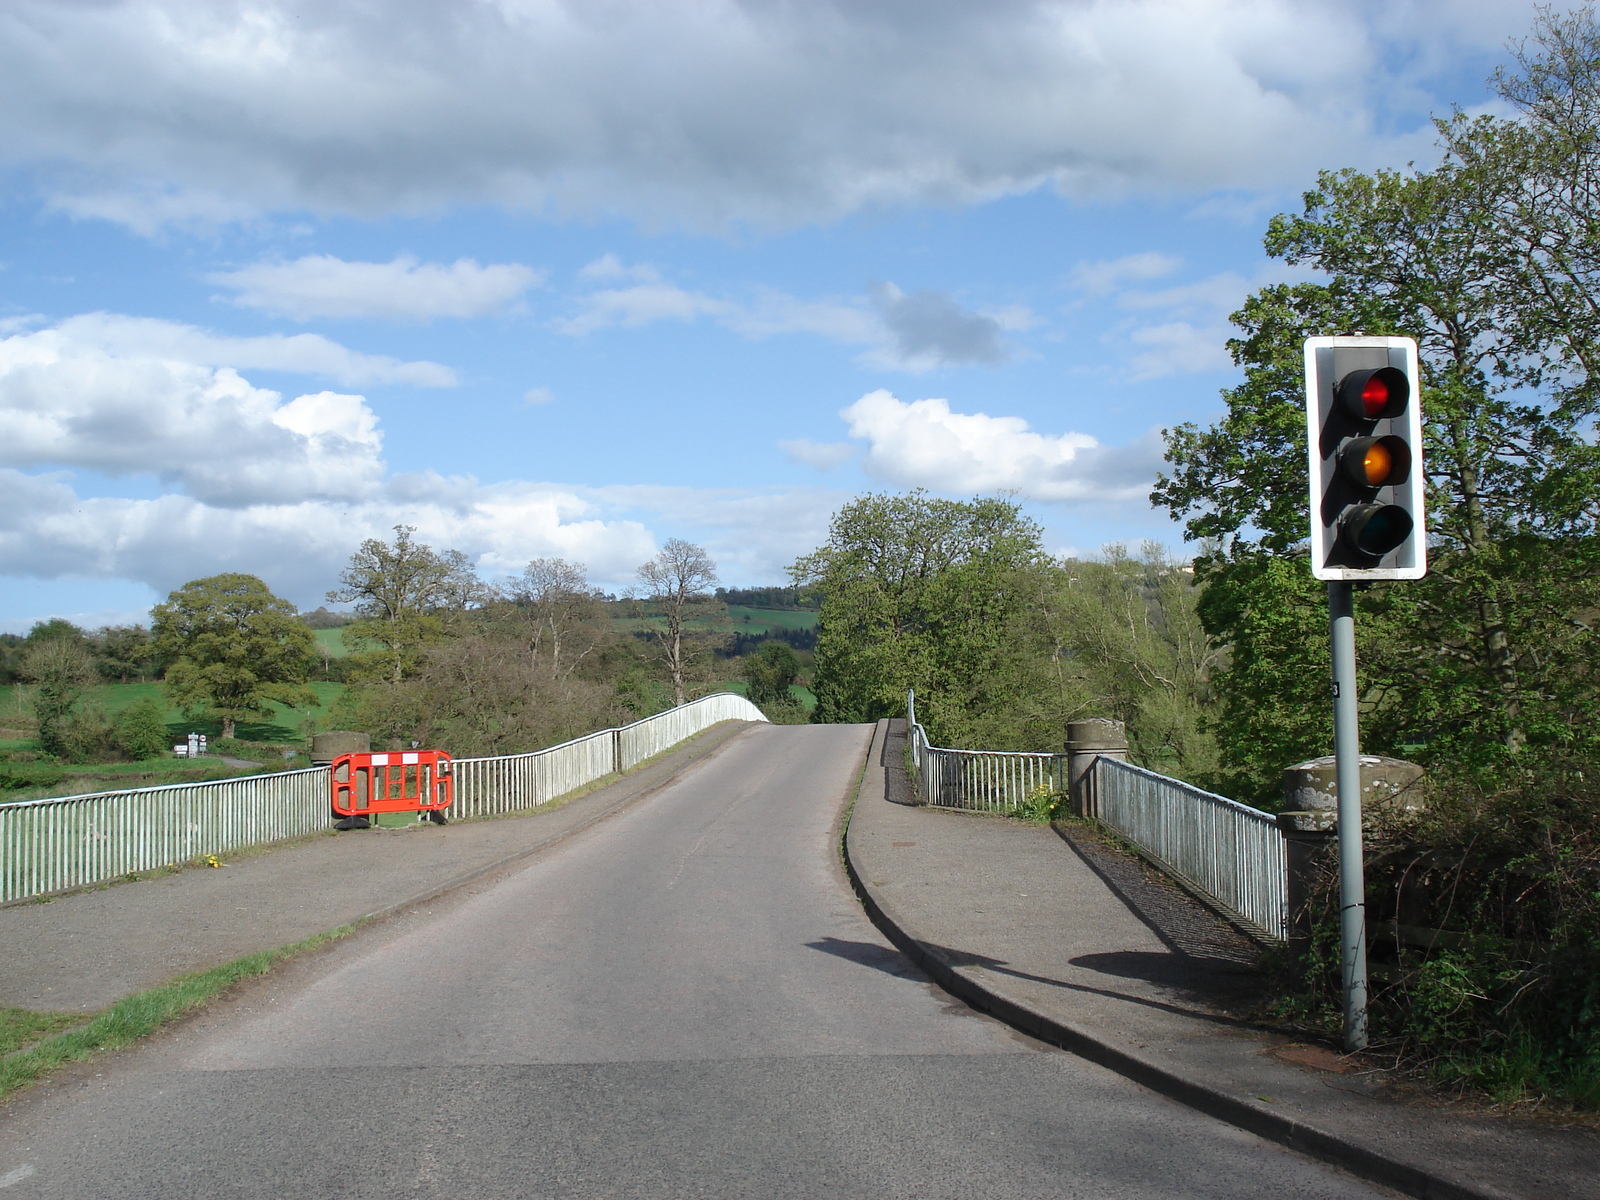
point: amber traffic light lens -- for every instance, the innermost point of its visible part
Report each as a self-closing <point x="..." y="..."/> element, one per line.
<point x="1375" y="463"/>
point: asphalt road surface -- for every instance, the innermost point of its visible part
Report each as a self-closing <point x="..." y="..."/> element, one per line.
<point x="684" y="1000"/>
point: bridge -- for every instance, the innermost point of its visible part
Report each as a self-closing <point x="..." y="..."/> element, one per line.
<point x="671" y="986"/>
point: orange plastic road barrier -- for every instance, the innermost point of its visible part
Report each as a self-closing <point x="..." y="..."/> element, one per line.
<point x="401" y="781"/>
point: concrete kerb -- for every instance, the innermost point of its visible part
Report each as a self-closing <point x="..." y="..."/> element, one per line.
<point x="961" y="982"/>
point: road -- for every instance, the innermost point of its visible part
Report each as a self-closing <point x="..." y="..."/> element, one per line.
<point x="684" y="1000"/>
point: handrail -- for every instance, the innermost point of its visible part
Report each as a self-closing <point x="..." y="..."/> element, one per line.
<point x="58" y="843"/>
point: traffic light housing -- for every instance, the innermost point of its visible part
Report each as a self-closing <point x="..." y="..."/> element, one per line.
<point x="1364" y="434"/>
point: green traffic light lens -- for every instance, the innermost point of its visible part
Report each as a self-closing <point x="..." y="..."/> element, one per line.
<point x="1376" y="529"/>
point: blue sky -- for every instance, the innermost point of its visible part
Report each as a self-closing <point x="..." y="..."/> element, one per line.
<point x="569" y="279"/>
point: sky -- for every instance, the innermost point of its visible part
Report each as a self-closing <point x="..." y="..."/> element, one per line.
<point x="549" y="278"/>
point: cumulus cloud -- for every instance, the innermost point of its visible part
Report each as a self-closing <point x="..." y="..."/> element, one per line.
<point x="320" y="285"/>
<point x="924" y="444"/>
<point x="710" y="114"/>
<point x="287" y="488"/>
<point x="69" y="401"/>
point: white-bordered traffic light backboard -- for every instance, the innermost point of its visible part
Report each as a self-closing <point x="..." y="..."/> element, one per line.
<point x="1364" y="441"/>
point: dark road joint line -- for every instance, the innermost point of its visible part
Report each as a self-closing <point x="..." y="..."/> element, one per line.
<point x="1296" y="1135"/>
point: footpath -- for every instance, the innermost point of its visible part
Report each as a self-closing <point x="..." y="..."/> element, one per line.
<point x="1082" y="945"/>
<point x="86" y="950"/>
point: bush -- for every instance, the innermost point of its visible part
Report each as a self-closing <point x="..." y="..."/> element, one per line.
<point x="16" y="776"/>
<point x="1502" y="875"/>
<point x="86" y="736"/>
<point x="140" y="731"/>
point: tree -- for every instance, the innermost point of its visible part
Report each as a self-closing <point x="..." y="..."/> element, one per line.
<point x="235" y="649"/>
<point x="124" y="651"/>
<point x="562" y="609"/>
<point x="61" y="667"/>
<point x="405" y="594"/>
<point x="770" y="672"/>
<point x="922" y="593"/>
<point x="140" y="730"/>
<point x="1495" y="647"/>
<point x="676" y="581"/>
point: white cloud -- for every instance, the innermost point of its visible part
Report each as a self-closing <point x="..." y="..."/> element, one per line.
<point x="69" y="401"/>
<point x="825" y="456"/>
<point x="1108" y="275"/>
<point x="320" y="285"/>
<point x="1178" y="348"/>
<point x="904" y="332"/>
<point x="286" y="489"/>
<point x="301" y="353"/>
<point x="724" y="112"/>
<point x="537" y="396"/>
<point x="924" y="444"/>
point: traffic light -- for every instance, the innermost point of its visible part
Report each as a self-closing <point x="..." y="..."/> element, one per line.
<point x="1364" y="430"/>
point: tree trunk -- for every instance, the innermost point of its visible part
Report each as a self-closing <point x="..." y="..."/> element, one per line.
<point x="227" y="727"/>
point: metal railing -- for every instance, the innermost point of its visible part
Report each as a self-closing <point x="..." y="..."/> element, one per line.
<point x="57" y="844"/>
<point x="1230" y="851"/>
<point x="977" y="780"/>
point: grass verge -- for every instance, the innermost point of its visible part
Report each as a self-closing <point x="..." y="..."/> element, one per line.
<point x="143" y="1013"/>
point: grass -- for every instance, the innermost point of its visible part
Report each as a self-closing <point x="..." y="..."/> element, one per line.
<point x="333" y="641"/>
<point x="141" y="1014"/>
<point x="284" y="725"/>
<point x="21" y="1027"/>
<point x="747" y="620"/>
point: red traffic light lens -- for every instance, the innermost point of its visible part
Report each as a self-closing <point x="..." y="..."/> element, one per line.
<point x="1373" y="530"/>
<point x="1375" y="394"/>
<point x="1376" y="462"/>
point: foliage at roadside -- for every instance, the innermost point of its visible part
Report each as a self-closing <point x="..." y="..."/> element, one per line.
<point x="1488" y="670"/>
<point x="1483" y="912"/>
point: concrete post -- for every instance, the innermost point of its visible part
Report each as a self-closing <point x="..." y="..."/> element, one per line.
<point x="1310" y="822"/>
<point x="325" y="747"/>
<point x="1086" y="741"/>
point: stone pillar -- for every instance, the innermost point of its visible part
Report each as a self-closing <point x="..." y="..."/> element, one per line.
<point x="1087" y="741"/>
<point x="325" y="747"/>
<point x="1310" y="821"/>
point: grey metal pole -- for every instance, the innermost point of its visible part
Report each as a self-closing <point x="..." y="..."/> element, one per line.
<point x="1352" y="873"/>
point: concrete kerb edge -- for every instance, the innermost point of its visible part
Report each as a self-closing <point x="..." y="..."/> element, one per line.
<point x="961" y="982"/>
<point x="543" y="844"/>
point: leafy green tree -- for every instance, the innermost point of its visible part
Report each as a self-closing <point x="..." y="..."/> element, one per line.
<point x="124" y="652"/>
<point x="59" y="664"/>
<point x="1493" y="649"/>
<point x="140" y="730"/>
<point x="770" y="671"/>
<point x="406" y="594"/>
<point x="676" y="583"/>
<point x="919" y="592"/>
<point x="235" y="649"/>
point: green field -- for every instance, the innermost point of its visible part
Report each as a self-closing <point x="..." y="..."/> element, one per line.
<point x="284" y="725"/>
<point x="748" y="620"/>
<point x="331" y="640"/>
